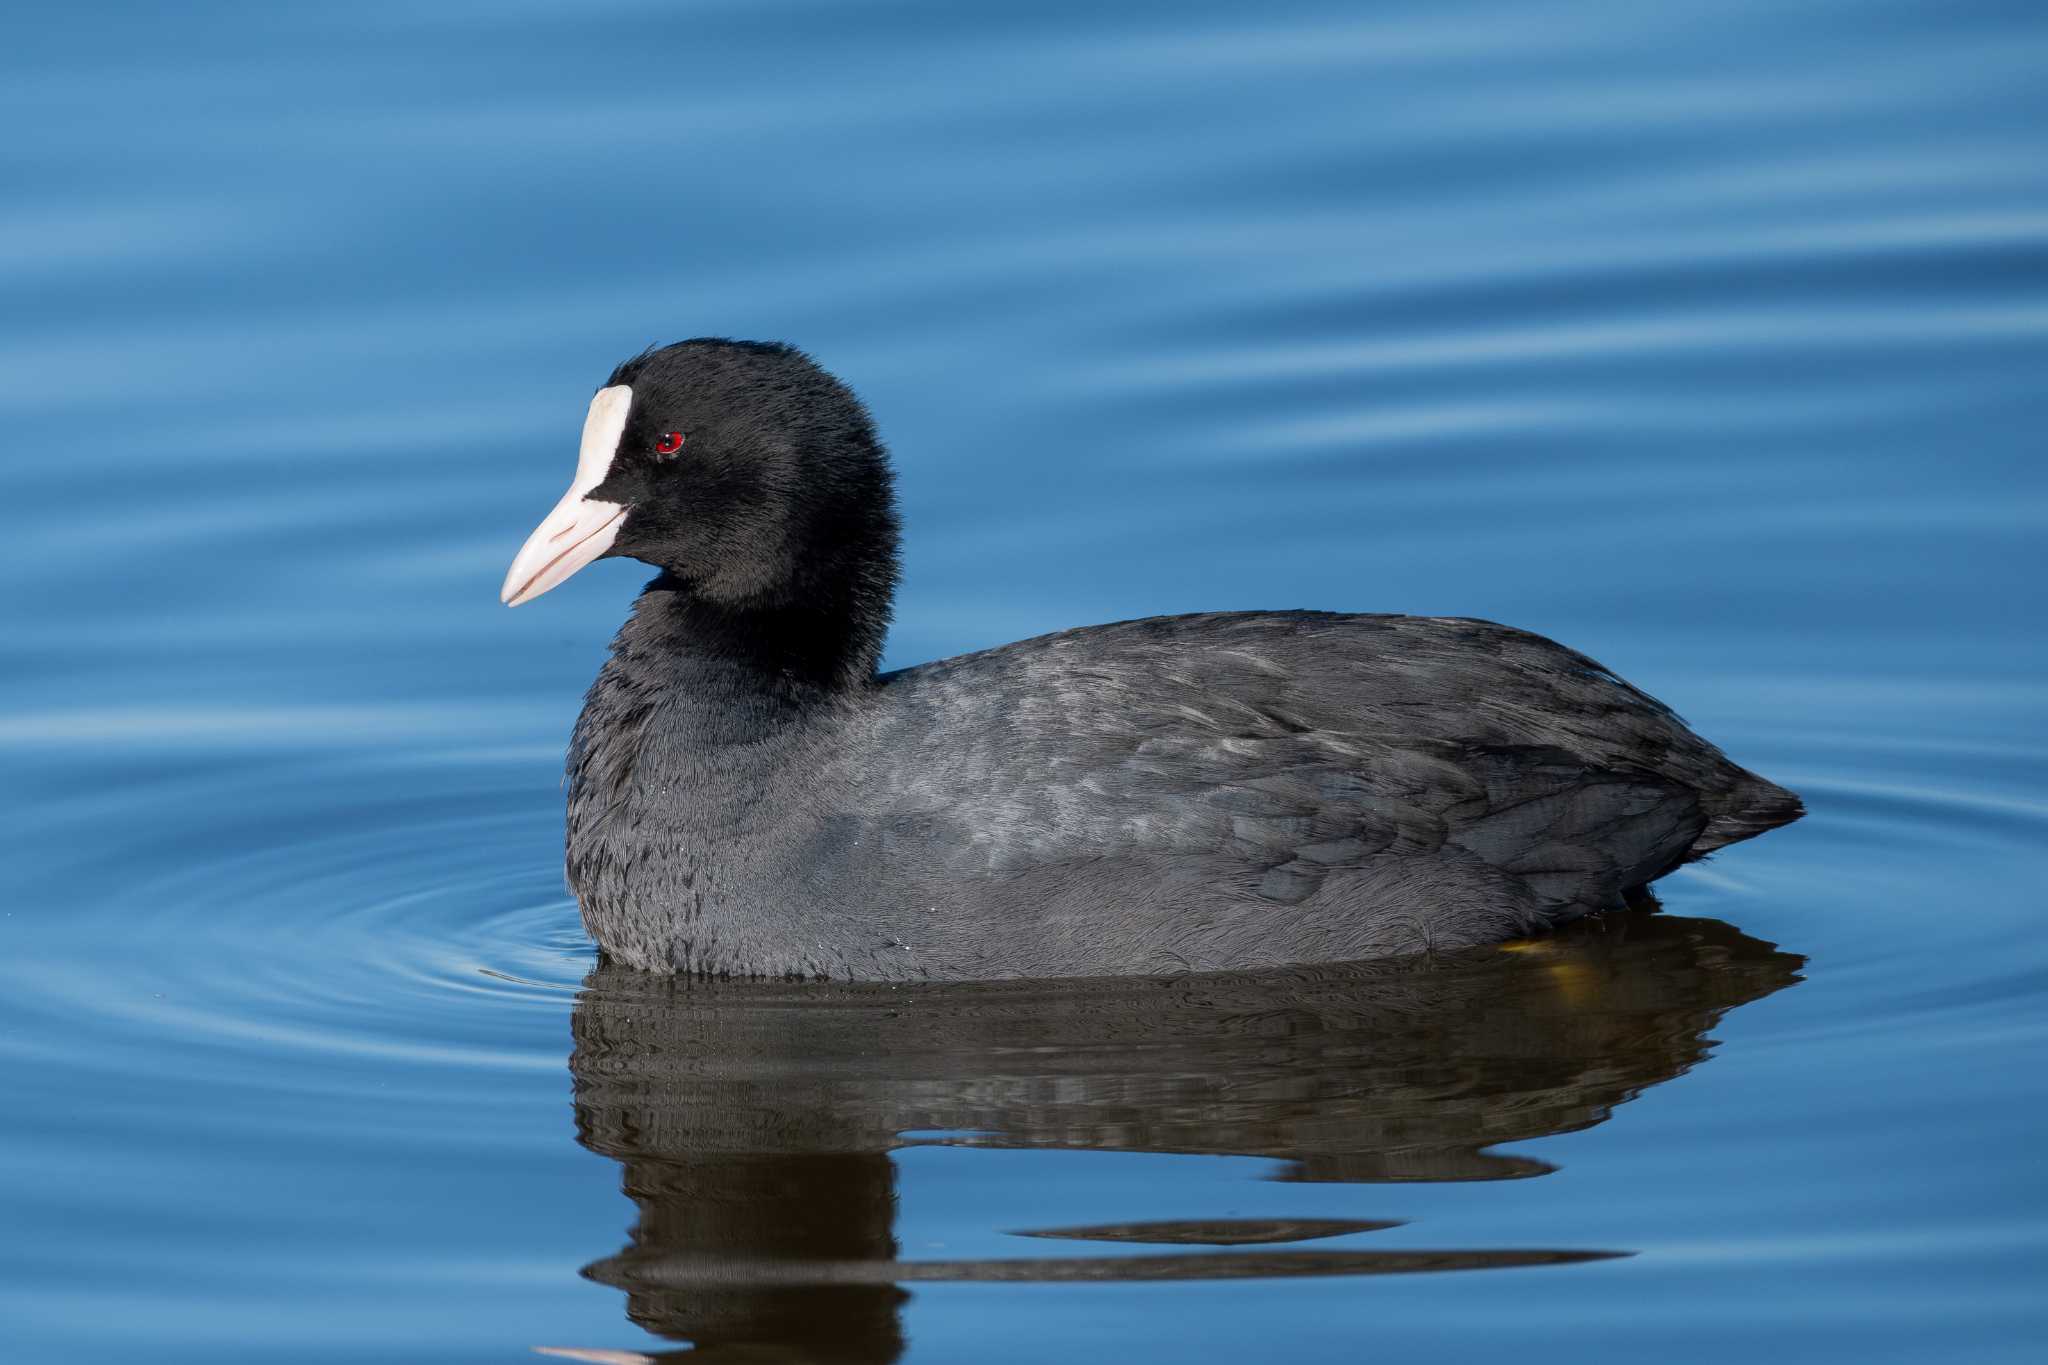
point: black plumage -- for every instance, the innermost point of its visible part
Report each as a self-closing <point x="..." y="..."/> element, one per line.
<point x="748" y="796"/>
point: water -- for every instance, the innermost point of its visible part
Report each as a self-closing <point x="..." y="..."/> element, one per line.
<point x="1708" y="338"/>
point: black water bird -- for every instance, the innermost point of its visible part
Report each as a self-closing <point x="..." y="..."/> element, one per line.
<point x="749" y="796"/>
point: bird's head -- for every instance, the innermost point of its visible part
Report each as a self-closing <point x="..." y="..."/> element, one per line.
<point x="741" y="469"/>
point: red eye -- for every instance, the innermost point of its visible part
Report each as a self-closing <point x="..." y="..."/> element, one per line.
<point x="670" y="444"/>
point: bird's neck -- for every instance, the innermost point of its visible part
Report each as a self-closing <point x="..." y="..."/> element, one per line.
<point x="768" y="661"/>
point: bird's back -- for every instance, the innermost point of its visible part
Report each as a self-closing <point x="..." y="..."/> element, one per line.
<point x="1230" y="789"/>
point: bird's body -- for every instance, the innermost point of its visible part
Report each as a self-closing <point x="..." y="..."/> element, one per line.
<point x="749" y="796"/>
<point x="1182" y="793"/>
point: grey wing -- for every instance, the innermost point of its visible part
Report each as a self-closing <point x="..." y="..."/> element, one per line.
<point x="1277" y="760"/>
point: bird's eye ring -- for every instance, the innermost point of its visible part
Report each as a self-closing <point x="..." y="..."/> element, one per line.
<point x="669" y="444"/>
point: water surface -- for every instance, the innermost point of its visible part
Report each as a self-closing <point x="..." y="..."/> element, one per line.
<point x="1707" y="338"/>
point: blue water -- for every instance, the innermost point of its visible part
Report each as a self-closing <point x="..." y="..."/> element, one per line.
<point x="1709" y="338"/>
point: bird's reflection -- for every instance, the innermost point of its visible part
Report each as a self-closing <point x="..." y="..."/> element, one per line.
<point x="754" y="1120"/>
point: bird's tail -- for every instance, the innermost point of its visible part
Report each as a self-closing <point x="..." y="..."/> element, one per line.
<point x="1750" y="807"/>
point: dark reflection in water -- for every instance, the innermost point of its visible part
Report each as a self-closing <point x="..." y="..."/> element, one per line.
<point x="754" y="1120"/>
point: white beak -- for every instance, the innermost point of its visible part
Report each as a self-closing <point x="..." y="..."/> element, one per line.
<point x="580" y="528"/>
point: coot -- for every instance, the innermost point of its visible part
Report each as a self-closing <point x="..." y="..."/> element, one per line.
<point x="749" y="796"/>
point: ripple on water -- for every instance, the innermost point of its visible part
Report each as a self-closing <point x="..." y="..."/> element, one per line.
<point x="312" y="920"/>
